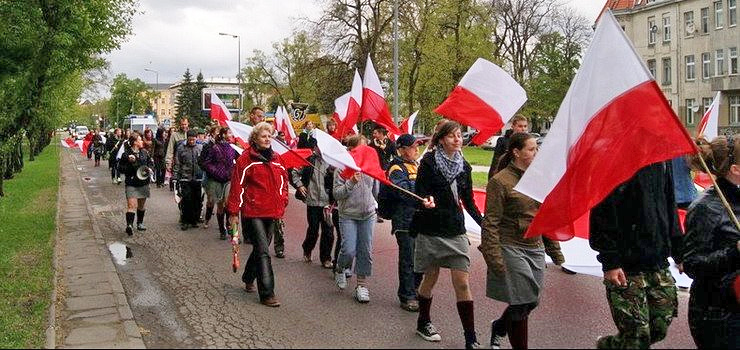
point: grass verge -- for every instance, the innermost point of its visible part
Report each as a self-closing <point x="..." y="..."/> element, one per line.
<point x="480" y="179"/>
<point x="28" y="217"/>
<point x="477" y="155"/>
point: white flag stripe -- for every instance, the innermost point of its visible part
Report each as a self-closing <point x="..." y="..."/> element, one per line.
<point x="412" y="120"/>
<point x="371" y="82"/>
<point x="711" y="130"/>
<point x="356" y="92"/>
<point x="341" y="105"/>
<point x="593" y="87"/>
<point x="483" y="78"/>
<point x="333" y="152"/>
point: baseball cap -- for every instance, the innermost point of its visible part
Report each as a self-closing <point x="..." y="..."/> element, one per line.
<point x="405" y="140"/>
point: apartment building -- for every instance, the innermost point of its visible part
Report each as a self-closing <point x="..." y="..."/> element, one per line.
<point x="691" y="48"/>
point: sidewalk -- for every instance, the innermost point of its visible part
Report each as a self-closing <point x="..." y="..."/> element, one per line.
<point x="91" y="308"/>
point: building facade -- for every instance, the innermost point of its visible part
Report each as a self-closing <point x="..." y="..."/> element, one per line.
<point x="163" y="104"/>
<point x="691" y="48"/>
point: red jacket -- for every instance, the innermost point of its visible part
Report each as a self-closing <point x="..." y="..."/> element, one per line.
<point x="259" y="188"/>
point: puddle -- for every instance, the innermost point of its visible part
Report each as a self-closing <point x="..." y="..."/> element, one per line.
<point x="121" y="253"/>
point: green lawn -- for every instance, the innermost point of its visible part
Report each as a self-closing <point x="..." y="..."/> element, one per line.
<point x="477" y="155"/>
<point x="480" y="179"/>
<point x="28" y="217"/>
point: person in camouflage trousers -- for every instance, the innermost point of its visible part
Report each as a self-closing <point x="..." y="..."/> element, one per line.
<point x="634" y="230"/>
<point x="642" y="311"/>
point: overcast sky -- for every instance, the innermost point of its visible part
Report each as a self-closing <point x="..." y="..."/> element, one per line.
<point x="171" y="35"/>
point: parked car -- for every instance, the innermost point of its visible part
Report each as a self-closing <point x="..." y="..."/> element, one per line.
<point x="80" y="132"/>
<point x="467" y="137"/>
<point x="490" y="144"/>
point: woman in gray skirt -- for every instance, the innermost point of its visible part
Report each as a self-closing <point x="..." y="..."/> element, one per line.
<point x="137" y="190"/>
<point x="444" y="180"/>
<point x="515" y="264"/>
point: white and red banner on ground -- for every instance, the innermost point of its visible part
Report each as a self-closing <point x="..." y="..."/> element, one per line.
<point x="602" y="135"/>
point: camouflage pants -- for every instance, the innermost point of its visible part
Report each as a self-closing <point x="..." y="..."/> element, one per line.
<point x="279" y="236"/>
<point x="642" y="311"/>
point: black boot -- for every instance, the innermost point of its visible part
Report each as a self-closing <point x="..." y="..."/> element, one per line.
<point x="465" y="311"/>
<point x="221" y="227"/>
<point x="140" y="220"/>
<point x="209" y="215"/>
<point x="130" y="223"/>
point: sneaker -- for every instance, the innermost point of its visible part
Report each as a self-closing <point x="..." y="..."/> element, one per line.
<point x="222" y="236"/>
<point x="327" y="265"/>
<point x="348" y="272"/>
<point x="567" y="270"/>
<point x="250" y="287"/>
<point x="184" y="227"/>
<point x="280" y="254"/>
<point x="496" y="338"/>
<point x="473" y="345"/>
<point x="271" y="302"/>
<point x="410" y="306"/>
<point x="341" y="280"/>
<point x="362" y="294"/>
<point x="129" y="230"/>
<point x="428" y="332"/>
<point x="140" y="227"/>
<point x="205" y="225"/>
<point x="307" y="259"/>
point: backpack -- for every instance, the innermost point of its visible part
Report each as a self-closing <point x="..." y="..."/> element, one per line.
<point x="388" y="197"/>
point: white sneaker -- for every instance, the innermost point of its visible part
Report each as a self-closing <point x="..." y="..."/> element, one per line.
<point x="348" y="272"/>
<point x="362" y="295"/>
<point x="341" y="280"/>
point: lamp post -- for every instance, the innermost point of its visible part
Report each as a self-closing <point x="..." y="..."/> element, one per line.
<point x="395" y="61"/>
<point x="156" y="89"/>
<point x="238" y="67"/>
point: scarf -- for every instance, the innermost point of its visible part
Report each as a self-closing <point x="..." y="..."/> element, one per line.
<point x="450" y="167"/>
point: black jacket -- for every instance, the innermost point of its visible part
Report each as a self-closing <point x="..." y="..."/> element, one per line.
<point x="446" y="219"/>
<point x="502" y="145"/>
<point x="129" y="168"/>
<point x="636" y="227"/>
<point x="384" y="154"/>
<point x="711" y="245"/>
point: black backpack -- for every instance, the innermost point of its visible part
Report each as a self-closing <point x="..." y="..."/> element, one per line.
<point x="388" y="197"/>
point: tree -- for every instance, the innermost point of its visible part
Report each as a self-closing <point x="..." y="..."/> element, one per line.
<point x="196" y="104"/>
<point x="183" y="102"/>
<point x="127" y="97"/>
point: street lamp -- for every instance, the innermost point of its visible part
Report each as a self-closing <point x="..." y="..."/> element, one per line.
<point x="238" y="67"/>
<point x="395" y="62"/>
<point x="157" y="76"/>
<point x="156" y="88"/>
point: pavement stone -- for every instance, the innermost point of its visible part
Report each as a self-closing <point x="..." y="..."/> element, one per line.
<point x="94" y="312"/>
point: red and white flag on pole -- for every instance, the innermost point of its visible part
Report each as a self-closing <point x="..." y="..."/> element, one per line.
<point x="219" y="112"/>
<point x="486" y="98"/>
<point x="333" y="152"/>
<point x="607" y="129"/>
<point x="367" y="160"/>
<point x="373" y="101"/>
<point x="349" y="114"/>
<point x="709" y="124"/>
<point x="282" y="123"/>
<point x="407" y="125"/>
<point x="290" y="158"/>
<point x="341" y="106"/>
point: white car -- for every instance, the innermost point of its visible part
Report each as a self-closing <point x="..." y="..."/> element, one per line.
<point x="81" y="132"/>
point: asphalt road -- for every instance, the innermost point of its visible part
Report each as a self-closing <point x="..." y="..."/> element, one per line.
<point x="183" y="293"/>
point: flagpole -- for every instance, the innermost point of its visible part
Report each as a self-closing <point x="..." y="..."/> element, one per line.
<point x="719" y="191"/>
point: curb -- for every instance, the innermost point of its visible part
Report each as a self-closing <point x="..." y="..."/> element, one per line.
<point x="51" y="336"/>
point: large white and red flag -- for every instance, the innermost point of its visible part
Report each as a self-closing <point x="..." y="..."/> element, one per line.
<point x="614" y="120"/>
<point x="290" y="158"/>
<point x="349" y="114"/>
<point x="282" y="123"/>
<point x="373" y="101"/>
<point x="341" y="105"/>
<point x="333" y="152"/>
<point x="69" y="143"/>
<point x="407" y="125"/>
<point x="709" y="124"/>
<point x="219" y="112"/>
<point x="486" y="98"/>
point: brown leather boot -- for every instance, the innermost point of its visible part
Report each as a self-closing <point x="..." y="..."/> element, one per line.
<point x="271" y="302"/>
<point x="250" y="287"/>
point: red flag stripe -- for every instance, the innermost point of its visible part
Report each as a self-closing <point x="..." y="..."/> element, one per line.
<point x="467" y="108"/>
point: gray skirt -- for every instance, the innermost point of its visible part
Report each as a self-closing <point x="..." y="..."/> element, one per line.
<point x="447" y="252"/>
<point x="137" y="192"/>
<point x="217" y="191"/>
<point x="523" y="281"/>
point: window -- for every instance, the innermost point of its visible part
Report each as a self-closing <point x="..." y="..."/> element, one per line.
<point x="733" y="61"/>
<point x="734" y="109"/>
<point x="719" y="62"/>
<point x="652" y="29"/>
<point x="651" y="67"/>
<point x="706" y="65"/>
<point x="666" y="71"/>
<point x="706" y="102"/>
<point x="732" y="11"/>
<point x="690" y="67"/>
<point x="705" y="20"/>
<point x="666" y="28"/>
<point x="690" y="117"/>
<point x="688" y="19"/>
<point x="719" y="15"/>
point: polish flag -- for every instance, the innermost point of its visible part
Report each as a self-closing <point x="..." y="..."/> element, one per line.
<point x="69" y="143"/>
<point x="290" y="158"/>
<point x="367" y="160"/>
<point x="351" y="115"/>
<point x="373" y="101"/>
<point x="486" y="98"/>
<point x="282" y="123"/>
<point x="219" y="112"/>
<point x="407" y="125"/>
<point x="607" y="128"/>
<point x="341" y="105"/>
<point x="84" y="146"/>
<point x="333" y="152"/>
<point x="708" y="126"/>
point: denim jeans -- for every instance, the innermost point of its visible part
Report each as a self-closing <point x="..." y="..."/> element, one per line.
<point x="259" y="266"/>
<point x="357" y="244"/>
<point x="408" y="280"/>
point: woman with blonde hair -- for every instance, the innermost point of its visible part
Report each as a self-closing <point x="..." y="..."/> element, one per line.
<point x="259" y="190"/>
